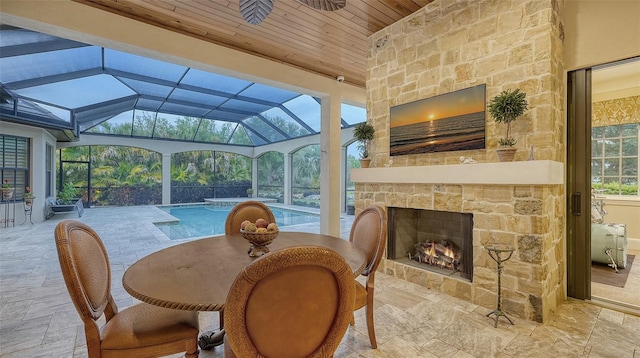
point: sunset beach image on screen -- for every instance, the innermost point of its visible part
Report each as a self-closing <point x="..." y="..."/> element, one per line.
<point x="449" y="122"/>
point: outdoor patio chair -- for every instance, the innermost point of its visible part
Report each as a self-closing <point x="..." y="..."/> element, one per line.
<point x="294" y="302"/>
<point x="53" y="206"/>
<point x="141" y="330"/>
<point x="369" y="232"/>
<point x="251" y="210"/>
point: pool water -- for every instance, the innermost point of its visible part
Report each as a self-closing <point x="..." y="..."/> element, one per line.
<point x="208" y="220"/>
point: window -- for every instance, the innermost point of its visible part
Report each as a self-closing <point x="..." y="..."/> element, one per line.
<point x="614" y="159"/>
<point x="14" y="163"/>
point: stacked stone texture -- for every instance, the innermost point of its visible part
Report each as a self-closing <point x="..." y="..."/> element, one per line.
<point x="452" y="45"/>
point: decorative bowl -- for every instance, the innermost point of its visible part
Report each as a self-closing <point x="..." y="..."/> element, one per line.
<point x="259" y="241"/>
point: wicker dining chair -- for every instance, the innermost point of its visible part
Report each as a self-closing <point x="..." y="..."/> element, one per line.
<point x="369" y="232"/>
<point x="251" y="210"/>
<point x="141" y="330"/>
<point x="294" y="302"/>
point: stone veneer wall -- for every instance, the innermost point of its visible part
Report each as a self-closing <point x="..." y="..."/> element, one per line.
<point x="451" y="45"/>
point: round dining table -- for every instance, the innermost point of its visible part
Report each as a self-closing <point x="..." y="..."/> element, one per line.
<point x="197" y="275"/>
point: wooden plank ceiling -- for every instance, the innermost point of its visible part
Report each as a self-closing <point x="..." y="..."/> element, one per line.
<point x="331" y="43"/>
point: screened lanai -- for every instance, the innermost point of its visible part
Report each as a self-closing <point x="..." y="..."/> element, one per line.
<point x="97" y="101"/>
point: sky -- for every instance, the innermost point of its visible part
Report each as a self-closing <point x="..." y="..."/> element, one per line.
<point x="469" y="100"/>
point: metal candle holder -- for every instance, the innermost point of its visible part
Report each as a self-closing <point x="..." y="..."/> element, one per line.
<point x="495" y="250"/>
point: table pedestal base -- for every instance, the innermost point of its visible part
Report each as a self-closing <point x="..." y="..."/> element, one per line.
<point x="257" y="250"/>
<point x="211" y="339"/>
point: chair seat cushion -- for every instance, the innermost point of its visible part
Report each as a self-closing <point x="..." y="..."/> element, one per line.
<point x="361" y="296"/>
<point x="145" y="325"/>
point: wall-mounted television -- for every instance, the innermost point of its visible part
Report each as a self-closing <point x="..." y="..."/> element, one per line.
<point x="444" y="123"/>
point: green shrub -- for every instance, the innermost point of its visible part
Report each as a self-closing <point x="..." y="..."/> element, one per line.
<point x="68" y="193"/>
<point x="616" y="188"/>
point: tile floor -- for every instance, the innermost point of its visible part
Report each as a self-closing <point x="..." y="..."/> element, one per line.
<point x="37" y="318"/>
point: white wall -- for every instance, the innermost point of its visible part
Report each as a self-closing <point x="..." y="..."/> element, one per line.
<point x="39" y="140"/>
<point x="621" y="210"/>
<point x="600" y="31"/>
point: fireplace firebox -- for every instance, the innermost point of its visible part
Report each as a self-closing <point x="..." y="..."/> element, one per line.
<point x="437" y="241"/>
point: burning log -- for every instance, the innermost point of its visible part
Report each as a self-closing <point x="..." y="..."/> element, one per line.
<point x="446" y="259"/>
<point x="442" y="254"/>
<point x="440" y="249"/>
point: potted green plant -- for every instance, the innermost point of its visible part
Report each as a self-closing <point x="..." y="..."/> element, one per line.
<point x="7" y="190"/>
<point x="249" y="192"/>
<point x="506" y="108"/>
<point x="28" y="197"/>
<point x="363" y="133"/>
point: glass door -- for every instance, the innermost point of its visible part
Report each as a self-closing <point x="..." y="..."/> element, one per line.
<point x="615" y="228"/>
<point x="74" y="176"/>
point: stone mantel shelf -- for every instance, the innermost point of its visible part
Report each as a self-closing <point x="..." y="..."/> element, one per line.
<point x="535" y="172"/>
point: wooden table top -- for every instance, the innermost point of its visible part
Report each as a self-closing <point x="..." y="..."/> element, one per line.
<point x="197" y="275"/>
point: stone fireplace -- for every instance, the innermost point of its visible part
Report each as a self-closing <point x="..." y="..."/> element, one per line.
<point x="455" y="44"/>
<point x="517" y="203"/>
<point x="437" y="241"/>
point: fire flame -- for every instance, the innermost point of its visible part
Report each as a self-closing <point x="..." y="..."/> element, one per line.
<point x="437" y="254"/>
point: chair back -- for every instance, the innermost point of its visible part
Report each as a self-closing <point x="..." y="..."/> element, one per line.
<point x="369" y="232"/>
<point x="294" y="302"/>
<point x="251" y="210"/>
<point x="85" y="268"/>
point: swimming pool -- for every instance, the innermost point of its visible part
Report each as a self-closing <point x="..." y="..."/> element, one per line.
<point x="207" y="220"/>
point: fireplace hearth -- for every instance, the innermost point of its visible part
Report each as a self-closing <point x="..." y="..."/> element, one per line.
<point x="437" y="241"/>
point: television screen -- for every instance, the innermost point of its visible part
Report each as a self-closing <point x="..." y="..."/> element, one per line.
<point x="444" y="123"/>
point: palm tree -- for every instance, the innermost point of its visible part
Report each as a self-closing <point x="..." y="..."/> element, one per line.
<point x="271" y="174"/>
<point x="306" y="169"/>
